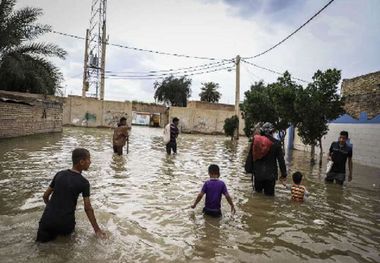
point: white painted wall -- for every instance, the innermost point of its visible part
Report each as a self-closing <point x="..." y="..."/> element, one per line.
<point x="364" y="137"/>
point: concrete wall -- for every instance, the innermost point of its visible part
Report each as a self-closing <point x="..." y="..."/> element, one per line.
<point x="152" y="108"/>
<point x="91" y="112"/>
<point x="25" y="114"/>
<point x="210" y="106"/>
<point x="365" y="139"/>
<point x="199" y="120"/>
<point x="362" y="94"/>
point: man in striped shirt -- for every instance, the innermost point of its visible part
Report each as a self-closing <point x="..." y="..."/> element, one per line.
<point x="172" y="144"/>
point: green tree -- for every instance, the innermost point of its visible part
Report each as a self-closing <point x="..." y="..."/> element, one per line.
<point x="210" y="93"/>
<point x="23" y="63"/>
<point x="317" y="105"/>
<point x="173" y="91"/>
<point x="271" y="103"/>
<point x="230" y="125"/>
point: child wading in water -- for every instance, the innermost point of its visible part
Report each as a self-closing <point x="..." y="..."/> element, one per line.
<point x="59" y="214"/>
<point x="298" y="190"/>
<point x="214" y="188"/>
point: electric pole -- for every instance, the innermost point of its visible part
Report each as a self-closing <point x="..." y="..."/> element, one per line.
<point x="85" y="77"/>
<point x="237" y="95"/>
<point x="95" y="51"/>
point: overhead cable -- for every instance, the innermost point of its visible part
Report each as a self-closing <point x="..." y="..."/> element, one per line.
<point x="139" y="49"/>
<point x="294" y="32"/>
<point x="163" y="73"/>
<point x="167" y="75"/>
<point x="271" y="70"/>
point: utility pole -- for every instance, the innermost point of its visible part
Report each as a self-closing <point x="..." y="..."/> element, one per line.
<point x="237" y="95"/>
<point x="103" y="61"/>
<point x="95" y="53"/>
<point x="85" y="76"/>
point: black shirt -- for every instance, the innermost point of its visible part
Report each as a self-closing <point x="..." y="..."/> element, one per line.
<point x="173" y="132"/>
<point x="339" y="156"/>
<point x="67" y="186"/>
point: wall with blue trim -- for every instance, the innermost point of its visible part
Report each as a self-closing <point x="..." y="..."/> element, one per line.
<point x="364" y="135"/>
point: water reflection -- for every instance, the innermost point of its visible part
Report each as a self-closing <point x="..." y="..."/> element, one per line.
<point x="143" y="200"/>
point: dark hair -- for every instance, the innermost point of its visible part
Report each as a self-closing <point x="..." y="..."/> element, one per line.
<point x="344" y="133"/>
<point x="175" y="119"/>
<point x="213" y="169"/>
<point x="297" y="177"/>
<point x="122" y="119"/>
<point x="79" y="154"/>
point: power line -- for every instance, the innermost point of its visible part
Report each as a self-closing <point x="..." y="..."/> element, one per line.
<point x="294" y="32"/>
<point x="250" y="74"/>
<point x="215" y="64"/>
<point x="139" y="49"/>
<point x="163" y="73"/>
<point x="166" y="75"/>
<point x="271" y="70"/>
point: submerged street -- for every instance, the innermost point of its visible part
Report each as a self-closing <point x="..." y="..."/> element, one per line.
<point x="142" y="200"/>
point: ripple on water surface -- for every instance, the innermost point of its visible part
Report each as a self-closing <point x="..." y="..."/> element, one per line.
<point x="143" y="201"/>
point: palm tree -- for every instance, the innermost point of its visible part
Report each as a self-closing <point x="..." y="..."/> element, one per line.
<point x="210" y="93"/>
<point x="173" y="91"/>
<point x="23" y="63"/>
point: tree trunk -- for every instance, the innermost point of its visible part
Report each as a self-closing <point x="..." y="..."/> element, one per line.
<point x="312" y="154"/>
<point x="321" y="151"/>
<point x="282" y="135"/>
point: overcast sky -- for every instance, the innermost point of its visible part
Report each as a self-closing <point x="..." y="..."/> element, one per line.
<point x="345" y="36"/>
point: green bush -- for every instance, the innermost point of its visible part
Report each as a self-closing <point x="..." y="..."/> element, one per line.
<point x="230" y="125"/>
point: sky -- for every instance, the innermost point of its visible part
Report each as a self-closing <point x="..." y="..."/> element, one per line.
<point x="346" y="36"/>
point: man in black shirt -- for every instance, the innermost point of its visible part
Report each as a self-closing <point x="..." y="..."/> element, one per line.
<point x="265" y="169"/>
<point x="59" y="214"/>
<point x="172" y="144"/>
<point x="339" y="152"/>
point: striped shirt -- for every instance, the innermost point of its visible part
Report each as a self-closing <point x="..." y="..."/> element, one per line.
<point x="298" y="192"/>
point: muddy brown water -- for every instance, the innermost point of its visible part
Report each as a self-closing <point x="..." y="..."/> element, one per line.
<point x="143" y="202"/>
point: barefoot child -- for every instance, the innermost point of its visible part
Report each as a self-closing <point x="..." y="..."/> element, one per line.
<point x="59" y="215"/>
<point x="213" y="188"/>
<point x="298" y="191"/>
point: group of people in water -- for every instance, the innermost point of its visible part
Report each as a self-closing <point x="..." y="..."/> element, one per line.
<point x="265" y="153"/>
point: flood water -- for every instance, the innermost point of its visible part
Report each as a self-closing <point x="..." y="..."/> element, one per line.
<point x="143" y="202"/>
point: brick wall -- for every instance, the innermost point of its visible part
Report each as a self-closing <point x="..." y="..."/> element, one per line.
<point x="362" y="94"/>
<point x="25" y="114"/>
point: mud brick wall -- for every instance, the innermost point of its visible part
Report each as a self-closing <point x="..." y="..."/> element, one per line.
<point x="25" y="114"/>
<point x="362" y="94"/>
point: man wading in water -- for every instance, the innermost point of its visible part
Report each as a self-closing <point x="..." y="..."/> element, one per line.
<point x="120" y="136"/>
<point x="266" y="152"/>
<point x="171" y="129"/>
<point x="339" y="152"/>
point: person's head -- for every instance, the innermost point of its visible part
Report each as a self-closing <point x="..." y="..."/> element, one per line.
<point x="213" y="171"/>
<point x="123" y="121"/>
<point x="81" y="159"/>
<point x="343" y="137"/>
<point x="175" y="121"/>
<point x="256" y="129"/>
<point x="267" y="129"/>
<point x="297" y="177"/>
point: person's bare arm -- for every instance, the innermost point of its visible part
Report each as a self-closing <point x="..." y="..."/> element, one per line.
<point x="91" y="217"/>
<point x="229" y="200"/>
<point x="47" y="194"/>
<point x="199" y="198"/>
<point x="350" y="169"/>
